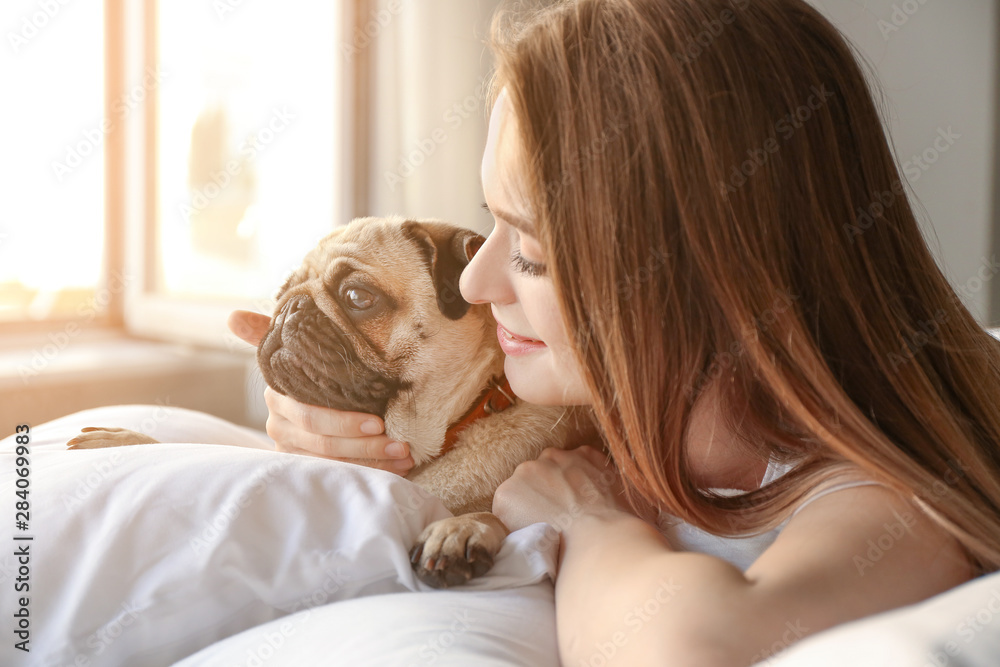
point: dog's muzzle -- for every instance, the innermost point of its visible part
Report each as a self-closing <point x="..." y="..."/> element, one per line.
<point x="307" y="356"/>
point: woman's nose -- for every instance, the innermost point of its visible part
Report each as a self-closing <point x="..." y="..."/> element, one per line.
<point x="484" y="279"/>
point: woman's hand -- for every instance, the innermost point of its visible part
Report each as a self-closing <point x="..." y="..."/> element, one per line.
<point x="298" y="428"/>
<point x="558" y="488"/>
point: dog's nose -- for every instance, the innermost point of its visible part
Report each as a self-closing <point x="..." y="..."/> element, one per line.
<point x="293" y="305"/>
<point x="293" y="314"/>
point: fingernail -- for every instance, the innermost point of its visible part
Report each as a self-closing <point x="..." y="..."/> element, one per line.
<point x="371" y="427"/>
<point x="395" y="450"/>
<point x="403" y="464"/>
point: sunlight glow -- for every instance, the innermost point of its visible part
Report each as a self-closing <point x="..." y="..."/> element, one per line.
<point x="246" y="142"/>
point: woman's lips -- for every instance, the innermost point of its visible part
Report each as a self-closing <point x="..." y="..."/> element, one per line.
<point x="514" y="345"/>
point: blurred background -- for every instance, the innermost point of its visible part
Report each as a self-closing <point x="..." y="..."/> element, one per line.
<point x="168" y="162"/>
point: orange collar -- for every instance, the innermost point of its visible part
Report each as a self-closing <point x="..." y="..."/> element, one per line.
<point x="497" y="397"/>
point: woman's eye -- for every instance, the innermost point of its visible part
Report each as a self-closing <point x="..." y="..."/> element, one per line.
<point x="359" y="298"/>
<point x="526" y="266"/>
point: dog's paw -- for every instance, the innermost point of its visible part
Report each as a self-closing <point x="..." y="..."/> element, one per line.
<point x="452" y="551"/>
<point x="97" y="437"/>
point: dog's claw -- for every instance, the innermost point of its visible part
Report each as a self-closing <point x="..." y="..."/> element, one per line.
<point x="453" y="551"/>
<point x="415" y="554"/>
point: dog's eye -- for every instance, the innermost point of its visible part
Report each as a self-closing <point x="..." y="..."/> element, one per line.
<point x="359" y="299"/>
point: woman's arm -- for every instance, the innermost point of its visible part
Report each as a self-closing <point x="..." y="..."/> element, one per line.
<point x="623" y="595"/>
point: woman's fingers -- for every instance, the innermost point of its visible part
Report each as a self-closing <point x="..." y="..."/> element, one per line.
<point x="310" y="430"/>
<point x="248" y="326"/>
<point x="398" y="466"/>
<point x="332" y="447"/>
<point x="323" y="421"/>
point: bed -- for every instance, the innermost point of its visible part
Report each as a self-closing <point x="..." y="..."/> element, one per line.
<point x="201" y="554"/>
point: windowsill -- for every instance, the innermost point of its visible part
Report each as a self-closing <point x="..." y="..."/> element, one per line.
<point x="45" y="377"/>
<point x="30" y="359"/>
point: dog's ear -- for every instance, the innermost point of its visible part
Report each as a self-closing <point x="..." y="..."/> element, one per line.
<point x="447" y="250"/>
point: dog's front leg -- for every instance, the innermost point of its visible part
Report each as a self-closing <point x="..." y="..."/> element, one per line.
<point x="452" y="551"/>
<point x="96" y="437"/>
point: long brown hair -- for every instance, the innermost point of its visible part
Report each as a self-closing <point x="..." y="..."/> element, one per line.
<point x="721" y="208"/>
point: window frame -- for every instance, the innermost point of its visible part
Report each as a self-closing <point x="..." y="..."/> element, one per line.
<point x="146" y="311"/>
<point x="110" y="318"/>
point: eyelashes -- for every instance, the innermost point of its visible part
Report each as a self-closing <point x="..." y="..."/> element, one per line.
<point x="520" y="264"/>
<point x="527" y="267"/>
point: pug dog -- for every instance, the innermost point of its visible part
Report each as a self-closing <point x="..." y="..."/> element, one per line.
<point x="373" y="321"/>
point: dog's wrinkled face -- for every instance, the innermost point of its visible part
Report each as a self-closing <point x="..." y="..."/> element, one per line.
<point x="369" y="314"/>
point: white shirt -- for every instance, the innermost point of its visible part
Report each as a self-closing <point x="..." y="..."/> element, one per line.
<point x="740" y="551"/>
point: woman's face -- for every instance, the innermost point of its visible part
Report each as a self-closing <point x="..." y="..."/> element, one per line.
<point x="509" y="273"/>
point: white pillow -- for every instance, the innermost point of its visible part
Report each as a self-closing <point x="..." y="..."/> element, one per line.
<point x="958" y="627"/>
<point x="509" y="628"/>
<point x="143" y="555"/>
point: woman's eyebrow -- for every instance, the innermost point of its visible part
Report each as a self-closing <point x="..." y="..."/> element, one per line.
<point x="515" y="221"/>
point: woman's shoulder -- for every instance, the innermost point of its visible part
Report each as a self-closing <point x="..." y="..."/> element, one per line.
<point x="854" y="525"/>
<point x="839" y="477"/>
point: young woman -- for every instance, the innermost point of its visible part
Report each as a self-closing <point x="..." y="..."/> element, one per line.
<point x="701" y="233"/>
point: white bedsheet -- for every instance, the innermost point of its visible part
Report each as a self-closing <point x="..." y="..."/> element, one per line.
<point x="230" y="556"/>
<point x="144" y="555"/>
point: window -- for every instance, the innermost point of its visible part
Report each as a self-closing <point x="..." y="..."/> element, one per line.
<point x="242" y="157"/>
<point x="174" y="160"/>
<point x="245" y="142"/>
<point x="52" y="218"/>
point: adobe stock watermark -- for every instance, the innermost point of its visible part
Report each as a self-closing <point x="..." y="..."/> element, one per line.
<point x="377" y="22"/>
<point x="940" y="487"/>
<point x="271" y="643"/>
<point x="590" y="152"/>
<point x="901" y="14"/>
<point x="633" y="622"/>
<point x="77" y="152"/>
<point x="31" y="25"/>
<point x="784" y="128"/>
<point x="59" y="340"/>
<point x="220" y="179"/>
<point x="552" y="533"/>
<point x="625" y="288"/>
<point x="103" y="469"/>
<point x="437" y="646"/>
<point x="423" y="148"/>
<point x="415" y="501"/>
<point x="927" y="331"/>
<point x="713" y="29"/>
<point x="967" y="630"/>
<point x="988" y="267"/>
<point x="223" y="8"/>
<point x="102" y="639"/>
<point x="727" y="359"/>
<point x="896" y="530"/>
<point x="892" y="534"/>
<point x="913" y="169"/>
<point x="215" y="528"/>
<point x="793" y="632"/>
<point x="333" y="584"/>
